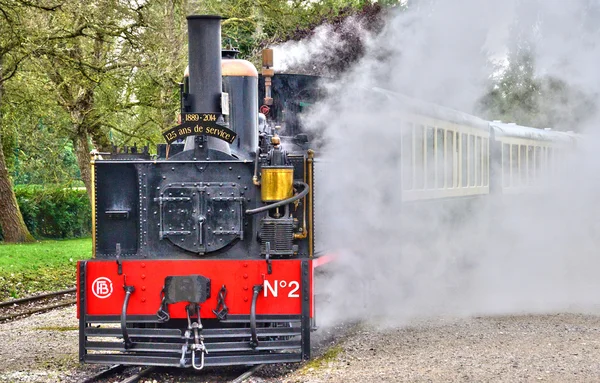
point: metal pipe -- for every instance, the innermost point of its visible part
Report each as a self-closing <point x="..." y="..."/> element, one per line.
<point x="296" y="197"/>
<point x="255" y="180"/>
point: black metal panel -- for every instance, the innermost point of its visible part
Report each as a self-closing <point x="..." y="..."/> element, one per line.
<point x="305" y="296"/>
<point x="117" y="190"/>
<point x="217" y="192"/>
<point x="212" y="333"/>
<point x="209" y="360"/>
<point x="187" y="288"/>
<point x="163" y="347"/>
<point x="82" y="310"/>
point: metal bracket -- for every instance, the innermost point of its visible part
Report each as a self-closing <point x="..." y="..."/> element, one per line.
<point x="268" y="258"/>
<point x="119" y="263"/>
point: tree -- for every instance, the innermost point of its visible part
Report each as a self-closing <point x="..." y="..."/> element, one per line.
<point x="89" y="70"/>
<point x="13" y="50"/>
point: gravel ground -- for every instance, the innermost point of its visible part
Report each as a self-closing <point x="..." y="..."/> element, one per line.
<point x="551" y="348"/>
<point x="42" y="348"/>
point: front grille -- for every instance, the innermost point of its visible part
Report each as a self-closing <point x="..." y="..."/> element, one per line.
<point x="279" y="233"/>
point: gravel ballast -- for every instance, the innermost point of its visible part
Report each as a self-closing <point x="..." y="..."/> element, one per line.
<point x="550" y="348"/>
<point x="528" y="348"/>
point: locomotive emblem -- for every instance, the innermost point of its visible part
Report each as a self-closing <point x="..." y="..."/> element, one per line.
<point x="102" y="287"/>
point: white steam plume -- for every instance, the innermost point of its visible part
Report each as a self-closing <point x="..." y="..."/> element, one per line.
<point x="530" y="254"/>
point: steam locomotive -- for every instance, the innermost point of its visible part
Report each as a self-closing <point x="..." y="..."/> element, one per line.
<point x="204" y="256"/>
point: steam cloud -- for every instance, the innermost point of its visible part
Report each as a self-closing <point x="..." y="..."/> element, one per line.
<point x="506" y="255"/>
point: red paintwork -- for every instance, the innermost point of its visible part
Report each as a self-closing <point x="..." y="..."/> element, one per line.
<point x="239" y="276"/>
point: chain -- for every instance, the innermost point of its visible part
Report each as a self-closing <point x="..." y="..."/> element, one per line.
<point x="163" y="310"/>
<point x="198" y="345"/>
<point x="221" y="310"/>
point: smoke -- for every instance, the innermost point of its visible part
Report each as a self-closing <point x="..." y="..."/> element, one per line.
<point x="494" y="255"/>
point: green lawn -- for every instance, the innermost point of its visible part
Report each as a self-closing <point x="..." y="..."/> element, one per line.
<point x="41" y="266"/>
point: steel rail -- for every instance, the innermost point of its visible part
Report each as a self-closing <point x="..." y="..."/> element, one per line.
<point x="37" y="297"/>
<point x="37" y="310"/>
<point x="136" y="377"/>
<point x="247" y="374"/>
<point x="104" y="373"/>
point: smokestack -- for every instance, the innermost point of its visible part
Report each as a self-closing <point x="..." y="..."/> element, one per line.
<point x="205" y="86"/>
<point x="204" y="37"/>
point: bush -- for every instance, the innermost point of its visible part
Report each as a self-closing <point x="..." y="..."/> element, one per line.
<point x="55" y="212"/>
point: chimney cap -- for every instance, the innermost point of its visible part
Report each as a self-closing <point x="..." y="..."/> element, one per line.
<point x="208" y="17"/>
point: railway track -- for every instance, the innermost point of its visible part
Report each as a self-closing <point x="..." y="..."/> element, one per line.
<point x="24" y="307"/>
<point x="110" y="373"/>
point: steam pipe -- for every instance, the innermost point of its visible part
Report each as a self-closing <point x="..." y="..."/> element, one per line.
<point x="296" y="197"/>
<point x="255" y="180"/>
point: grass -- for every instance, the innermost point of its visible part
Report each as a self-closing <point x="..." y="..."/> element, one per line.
<point x="26" y="269"/>
<point x="330" y="355"/>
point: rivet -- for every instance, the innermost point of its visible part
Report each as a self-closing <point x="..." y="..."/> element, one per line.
<point x="245" y="299"/>
<point x="143" y="265"/>
<point x="245" y="276"/>
<point x="143" y="299"/>
<point x="143" y="276"/>
<point x="143" y="288"/>
<point x="245" y="287"/>
<point x="245" y="264"/>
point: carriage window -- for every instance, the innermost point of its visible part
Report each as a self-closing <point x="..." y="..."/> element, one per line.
<point x="472" y="158"/>
<point x="463" y="160"/>
<point x="449" y="163"/>
<point x="514" y="165"/>
<point x="430" y="158"/>
<point x="538" y="163"/>
<point x="530" y="164"/>
<point x="419" y="156"/>
<point x="407" y="156"/>
<point x="478" y="161"/>
<point x="549" y="163"/>
<point x="486" y="162"/>
<point x="440" y="158"/>
<point x="523" y="163"/>
<point x="505" y="165"/>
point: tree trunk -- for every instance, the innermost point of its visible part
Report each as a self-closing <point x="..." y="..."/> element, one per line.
<point x="82" y="152"/>
<point x="11" y="220"/>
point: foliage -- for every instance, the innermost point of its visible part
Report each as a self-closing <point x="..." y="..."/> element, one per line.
<point x="519" y="93"/>
<point x="56" y="212"/>
<point x="42" y="266"/>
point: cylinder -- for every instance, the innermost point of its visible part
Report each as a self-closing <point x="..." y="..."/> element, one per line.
<point x="205" y="86"/>
<point x="240" y="80"/>
<point x="276" y="183"/>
